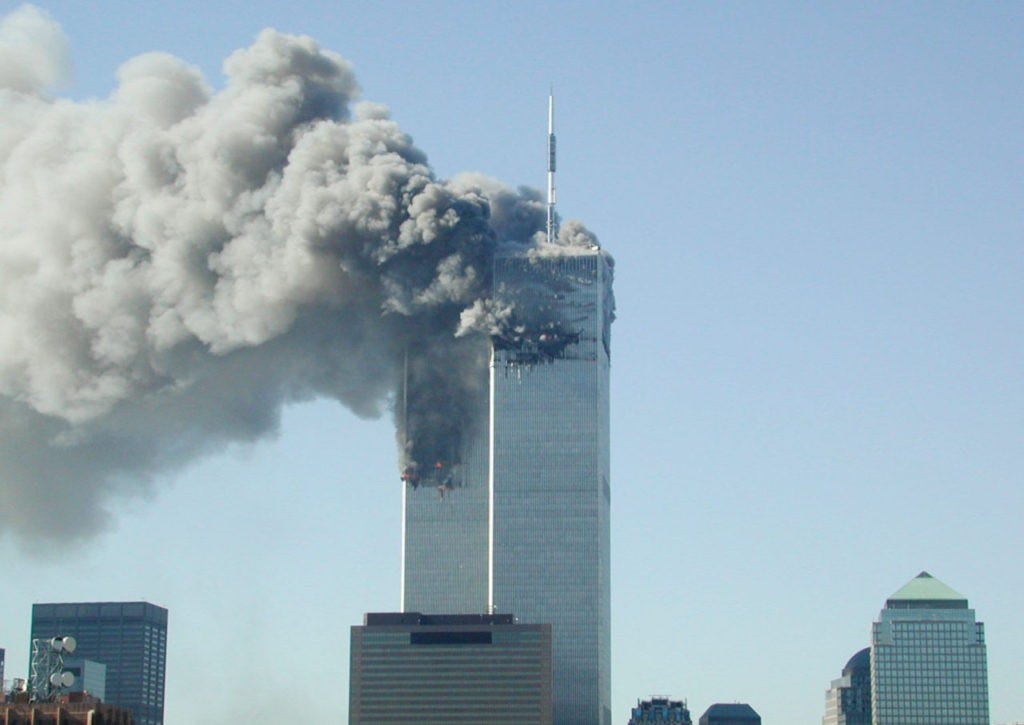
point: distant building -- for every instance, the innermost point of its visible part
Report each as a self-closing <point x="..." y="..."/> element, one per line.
<point x="730" y="714"/>
<point x="928" y="660"/>
<point x="3" y="682"/>
<point x="130" y="638"/>
<point x="660" y="710"/>
<point x="848" y="701"/>
<point x="474" y="668"/>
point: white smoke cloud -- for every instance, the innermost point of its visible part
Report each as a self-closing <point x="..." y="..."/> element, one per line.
<point x="33" y="51"/>
<point x="176" y="263"/>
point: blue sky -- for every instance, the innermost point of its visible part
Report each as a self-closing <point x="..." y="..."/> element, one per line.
<point x="815" y="211"/>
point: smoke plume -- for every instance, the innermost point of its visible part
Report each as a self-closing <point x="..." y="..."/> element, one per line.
<point x="178" y="262"/>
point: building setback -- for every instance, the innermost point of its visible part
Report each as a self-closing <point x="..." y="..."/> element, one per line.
<point x="439" y="669"/>
<point x="130" y="638"/>
<point x="848" y="700"/>
<point x="928" y="659"/>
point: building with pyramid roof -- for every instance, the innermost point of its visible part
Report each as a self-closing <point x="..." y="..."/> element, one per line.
<point x="928" y="659"/>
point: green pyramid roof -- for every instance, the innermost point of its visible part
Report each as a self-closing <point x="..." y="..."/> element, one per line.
<point x="925" y="587"/>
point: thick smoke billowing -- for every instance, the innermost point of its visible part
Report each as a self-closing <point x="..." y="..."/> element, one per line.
<point x="176" y="263"/>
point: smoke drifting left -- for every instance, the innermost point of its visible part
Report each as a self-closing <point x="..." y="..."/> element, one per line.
<point x="176" y="263"/>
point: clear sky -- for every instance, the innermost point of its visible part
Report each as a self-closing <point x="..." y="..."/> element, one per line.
<point x="817" y="385"/>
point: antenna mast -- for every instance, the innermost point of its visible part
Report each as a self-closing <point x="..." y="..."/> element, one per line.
<point x="552" y="230"/>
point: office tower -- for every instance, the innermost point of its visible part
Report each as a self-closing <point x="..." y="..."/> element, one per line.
<point x="660" y="710"/>
<point x="523" y="526"/>
<point x="3" y="683"/>
<point x="420" y="668"/>
<point x="730" y="714"/>
<point x="928" y="661"/>
<point x="130" y="638"/>
<point x="848" y="700"/>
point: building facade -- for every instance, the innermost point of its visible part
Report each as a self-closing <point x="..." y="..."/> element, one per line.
<point x="737" y="713"/>
<point x="440" y="669"/>
<point x="129" y="638"/>
<point x="928" y="658"/>
<point x="525" y="527"/>
<point x="848" y="700"/>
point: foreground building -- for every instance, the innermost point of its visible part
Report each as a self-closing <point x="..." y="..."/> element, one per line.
<point x="417" y="668"/>
<point x="522" y="524"/>
<point x="129" y="638"/>
<point x="84" y="712"/>
<point x="928" y="659"/>
<point x="848" y="700"/>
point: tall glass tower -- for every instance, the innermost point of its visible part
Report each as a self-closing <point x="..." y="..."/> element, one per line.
<point x="928" y="661"/>
<point x="525" y="526"/>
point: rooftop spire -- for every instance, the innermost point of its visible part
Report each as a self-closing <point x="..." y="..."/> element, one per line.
<point x="552" y="231"/>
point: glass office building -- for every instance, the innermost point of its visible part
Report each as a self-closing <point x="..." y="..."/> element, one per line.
<point x="526" y="528"/>
<point x="848" y="700"/>
<point x="130" y="638"/>
<point x="928" y="661"/>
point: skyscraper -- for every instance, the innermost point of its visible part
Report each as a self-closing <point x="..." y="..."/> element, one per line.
<point x="848" y="700"/>
<point x="928" y="662"/>
<point x="524" y="525"/>
<point x="130" y="638"/>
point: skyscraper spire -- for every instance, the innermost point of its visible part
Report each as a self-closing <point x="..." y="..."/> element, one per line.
<point x="552" y="230"/>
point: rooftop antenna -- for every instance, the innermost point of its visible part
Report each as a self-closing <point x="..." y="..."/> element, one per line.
<point x="552" y="230"/>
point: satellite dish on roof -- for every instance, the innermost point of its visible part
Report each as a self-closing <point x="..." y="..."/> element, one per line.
<point x="57" y="644"/>
<point x="70" y="643"/>
<point x="67" y="678"/>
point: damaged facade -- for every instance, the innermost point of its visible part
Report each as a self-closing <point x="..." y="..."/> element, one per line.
<point x="526" y="529"/>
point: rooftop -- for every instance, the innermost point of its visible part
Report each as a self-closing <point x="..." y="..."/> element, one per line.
<point x="925" y="591"/>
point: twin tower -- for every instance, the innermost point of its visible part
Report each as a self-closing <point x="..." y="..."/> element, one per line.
<point x="524" y="528"/>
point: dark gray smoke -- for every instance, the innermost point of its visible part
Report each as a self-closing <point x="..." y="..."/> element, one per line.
<point x="178" y="263"/>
